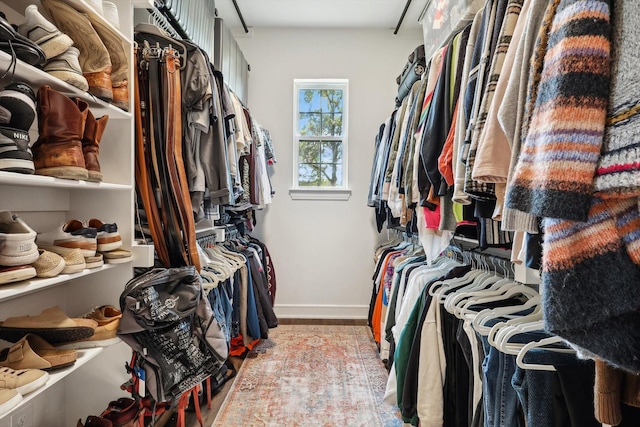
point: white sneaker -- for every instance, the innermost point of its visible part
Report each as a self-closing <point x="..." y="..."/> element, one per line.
<point x="8" y="399"/>
<point x="43" y="33"/>
<point x="17" y="245"/>
<point x="69" y="236"/>
<point x="108" y="237"/>
<point x="23" y="380"/>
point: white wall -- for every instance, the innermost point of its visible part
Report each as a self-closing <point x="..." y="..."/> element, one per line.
<point x="323" y="250"/>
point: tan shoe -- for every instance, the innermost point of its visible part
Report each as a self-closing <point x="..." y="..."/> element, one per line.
<point x="108" y="319"/>
<point x="93" y="130"/>
<point x="51" y="324"/>
<point x="9" y="398"/>
<point x="74" y="262"/>
<point x="24" y="380"/>
<point x="94" y="261"/>
<point x="48" y="264"/>
<point x="33" y="352"/>
<point x="94" y="57"/>
<point x="119" y="256"/>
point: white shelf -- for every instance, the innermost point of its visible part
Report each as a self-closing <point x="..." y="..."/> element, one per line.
<point x="19" y="289"/>
<point x="12" y="178"/>
<point x="84" y="356"/>
<point x="35" y="77"/>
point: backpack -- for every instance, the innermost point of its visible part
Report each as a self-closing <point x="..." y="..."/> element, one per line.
<point x="169" y="324"/>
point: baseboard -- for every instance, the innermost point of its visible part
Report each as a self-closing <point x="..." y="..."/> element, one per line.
<point x="318" y="311"/>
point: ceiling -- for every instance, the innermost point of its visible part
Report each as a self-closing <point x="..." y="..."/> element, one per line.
<point x="380" y="14"/>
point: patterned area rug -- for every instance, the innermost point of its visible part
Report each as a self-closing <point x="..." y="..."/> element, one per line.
<point x="328" y="376"/>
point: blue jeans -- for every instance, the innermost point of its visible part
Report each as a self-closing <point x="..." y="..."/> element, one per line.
<point x="501" y="404"/>
<point x="222" y="308"/>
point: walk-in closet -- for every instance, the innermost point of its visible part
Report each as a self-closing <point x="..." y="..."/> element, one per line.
<point x="375" y="213"/>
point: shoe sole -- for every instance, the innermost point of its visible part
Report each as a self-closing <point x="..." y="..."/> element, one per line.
<point x="72" y="78"/>
<point x="17" y="165"/>
<point x="107" y="247"/>
<point x="51" y="335"/>
<point x="11" y="403"/>
<point x="65" y="172"/>
<point x="118" y="260"/>
<point x="88" y="344"/>
<point x="52" y="272"/>
<point x="33" y="385"/>
<point x="56" y="45"/>
<point x="17" y="276"/>
<point x="95" y="264"/>
<point x="95" y="176"/>
<point x="70" y="269"/>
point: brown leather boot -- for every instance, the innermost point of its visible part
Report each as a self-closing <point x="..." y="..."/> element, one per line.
<point x="58" y="150"/>
<point x="93" y="130"/>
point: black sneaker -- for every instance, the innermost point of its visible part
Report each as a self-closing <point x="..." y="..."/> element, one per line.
<point x="17" y="113"/>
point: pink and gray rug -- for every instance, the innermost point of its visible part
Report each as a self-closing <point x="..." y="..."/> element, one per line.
<point x="329" y="376"/>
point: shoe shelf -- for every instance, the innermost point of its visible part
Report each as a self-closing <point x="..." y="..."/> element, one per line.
<point x="83" y="357"/>
<point x="20" y="289"/>
<point x="36" y="78"/>
<point x="12" y="178"/>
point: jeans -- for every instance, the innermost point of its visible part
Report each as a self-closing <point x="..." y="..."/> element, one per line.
<point x="563" y="398"/>
<point x="501" y="405"/>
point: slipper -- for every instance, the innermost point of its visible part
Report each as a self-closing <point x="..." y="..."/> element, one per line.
<point x="33" y="352"/>
<point x="52" y="325"/>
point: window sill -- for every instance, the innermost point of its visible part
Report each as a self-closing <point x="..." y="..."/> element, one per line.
<point x="339" y="194"/>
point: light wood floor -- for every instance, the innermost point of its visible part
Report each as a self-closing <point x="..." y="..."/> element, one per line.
<point x="208" y="416"/>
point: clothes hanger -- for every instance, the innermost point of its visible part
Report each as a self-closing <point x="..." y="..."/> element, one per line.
<point x="543" y="343"/>
<point x="479" y="322"/>
<point x="519" y="289"/>
<point x="154" y="34"/>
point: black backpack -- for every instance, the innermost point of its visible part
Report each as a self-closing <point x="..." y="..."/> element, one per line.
<point x="169" y="324"/>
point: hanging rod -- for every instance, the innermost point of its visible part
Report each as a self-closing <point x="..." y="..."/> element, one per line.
<point x="404" y="12"/>
<point x="244" y="25"/>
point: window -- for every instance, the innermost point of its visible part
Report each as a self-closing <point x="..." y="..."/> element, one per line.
<point x="320" y="138"/>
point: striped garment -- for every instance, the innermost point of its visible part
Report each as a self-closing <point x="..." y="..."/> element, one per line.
<point x="554" y="176"/>
<point x="618" y="173"/>
<point x="590" y="277"/>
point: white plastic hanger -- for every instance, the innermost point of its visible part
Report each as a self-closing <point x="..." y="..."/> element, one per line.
<point x="540" y="344"/>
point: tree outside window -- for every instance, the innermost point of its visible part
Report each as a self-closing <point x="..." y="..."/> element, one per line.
<point x="320" y="133"/>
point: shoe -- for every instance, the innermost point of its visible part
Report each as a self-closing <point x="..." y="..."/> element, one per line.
<point x="108" y="319"/>
<point x="66" y="67"/>
<point x="58" y="150"/>
<point x="51" y="324"/>
<point x="69" y="236"/>
<point x="118" y="256"/>
<point x="17" y="113"/>
<point x="17" y="245"/>
<point x="108" y="237"/>
<point x="94" y="261"/>
<point x="94" y="55"/>
<point x="48" y="264"/>
<point x="50" y="39"/>
<point x="122" y="412"/>
<point x="74" y="262"/>
<point x="93" y="130"/>
<point x="24" y="380"/>
<point x="93" y="421"/>
<point x="9" y="398"/>
<point x="19" y="46"/>
<point x="119" y="63"/>
<point x="16" y="274"/>
<point x="33" y="352"/>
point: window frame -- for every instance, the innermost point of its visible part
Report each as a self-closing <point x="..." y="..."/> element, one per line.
<point x="342" y="191"/>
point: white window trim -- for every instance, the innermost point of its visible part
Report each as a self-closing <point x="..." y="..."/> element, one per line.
<point x="321" y="193"/>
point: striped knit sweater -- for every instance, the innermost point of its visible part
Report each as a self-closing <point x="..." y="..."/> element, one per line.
<point x="554" y="177"/>
<point x="618" y="173"/>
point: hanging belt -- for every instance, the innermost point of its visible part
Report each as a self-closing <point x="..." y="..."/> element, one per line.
<point x="175" y="162"/>
<point x="143" y="179"/>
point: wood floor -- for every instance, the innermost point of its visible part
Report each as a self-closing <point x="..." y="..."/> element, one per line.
<point x="208" y="416"/>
